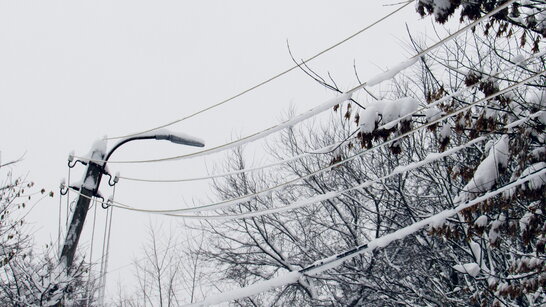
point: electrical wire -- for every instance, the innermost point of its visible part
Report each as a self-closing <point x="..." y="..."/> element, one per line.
<point x="327" y="147"/>
<point x="103" y="254"/>
<point x="230" y="202"/>
<point x="298" y="204"/>
<point x="271" y="78"/>
<point x="88" y="298"/>
<point x="336" y="260"/>
<point x="106" y="255"/>
<point x="432" y="157"/>
<point x="60" y="223"/>
<point x="226" y="203"/>
<point x="68" y="199"/>
<point x="389" y="74"/>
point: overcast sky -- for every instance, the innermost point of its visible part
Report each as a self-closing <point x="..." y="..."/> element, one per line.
<point x="74" y="71"/>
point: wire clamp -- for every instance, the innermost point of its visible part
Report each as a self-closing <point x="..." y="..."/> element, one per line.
<point x="108" y="203"/>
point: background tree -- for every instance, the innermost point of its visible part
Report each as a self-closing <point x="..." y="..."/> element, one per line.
<point x="30" y="277"/>
<point x="492" y="254"/>
<point x="169" y="274"/>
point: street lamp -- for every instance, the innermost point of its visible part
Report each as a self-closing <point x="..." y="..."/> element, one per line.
<point x="90" y="186"/>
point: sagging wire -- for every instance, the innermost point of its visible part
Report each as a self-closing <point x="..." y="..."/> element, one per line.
<point x="322" y="107"/>
<point x="329" y="195"/>
<point x="336" y="260"/>
<point x="243" y="198"/>
<point x="326" y="148"/>
<point x="406" y="3"/>
<point x="429" y="159"/>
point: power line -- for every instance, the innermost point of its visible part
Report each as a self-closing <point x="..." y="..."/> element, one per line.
<point x="432" y="157"/>
<point x="336" y="260"/>
<point x="327" y="147"/>
<point x="226" y="203"/>
<point x="389" y="74"/>
<point x="271" y="78"/>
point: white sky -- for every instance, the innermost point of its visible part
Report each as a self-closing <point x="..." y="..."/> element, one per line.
<point x="74" y="71"/>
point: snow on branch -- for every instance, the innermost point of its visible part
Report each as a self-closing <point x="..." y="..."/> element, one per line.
<point x="336" y="260"/>
<point x="489" y="170"/>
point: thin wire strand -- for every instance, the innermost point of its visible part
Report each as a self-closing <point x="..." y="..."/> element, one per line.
<point x="333" y="261"/>
<point x="270" y="79"/>
<point x="60" y="223"/>
<point x="68" y="199"/>
<point x="103" y="255"/>
<point x="107" y="254"/>
<point x="322" y="107"/>
<point x="327" y="147"/>
<point x="333" y="194"/>
<point x="234" y="201"/>
<point x="91" y="249"/>
<point x="247" y="197"/>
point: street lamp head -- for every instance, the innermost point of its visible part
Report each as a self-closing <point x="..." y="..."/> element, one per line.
<point x="178" y="138"/>
<point x="181" y="139"/>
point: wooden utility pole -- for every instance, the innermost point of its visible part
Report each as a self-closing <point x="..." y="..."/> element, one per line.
<point x="90" y="186"/>
<point x="88" y="190"/>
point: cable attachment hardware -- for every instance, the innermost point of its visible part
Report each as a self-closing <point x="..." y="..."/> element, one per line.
<point x="108" y="203"/>
<point x="63" y="189"/>
<point x="71" y="162"/>
<point x="113" y="180"/>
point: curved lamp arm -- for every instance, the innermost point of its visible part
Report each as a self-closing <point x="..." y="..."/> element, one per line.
<point x="168" y="137"/>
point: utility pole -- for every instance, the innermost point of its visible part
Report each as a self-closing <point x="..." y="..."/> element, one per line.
<point x="90" y="186"/>
<point x="88" y="190"/>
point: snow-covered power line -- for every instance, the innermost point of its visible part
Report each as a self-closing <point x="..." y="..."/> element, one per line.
<point x="389" y="74"/>
<point x="432" y="157"/>
<point x="230" y="202"/>
<point x="226" y="203"/>
<point x="328" y="147"/>
<point x="336" y="260"/>
<point x="271" y="78"/>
